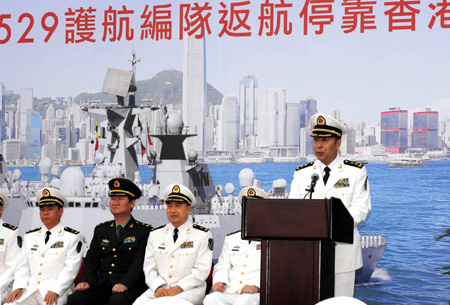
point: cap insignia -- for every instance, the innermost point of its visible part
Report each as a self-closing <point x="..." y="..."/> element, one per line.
<point x="176" y="189"/>
<point x="251" y="192"/>
<point x="116" y="184"/>
<point x="321" y="120"/>
<point x="45" y="193"/>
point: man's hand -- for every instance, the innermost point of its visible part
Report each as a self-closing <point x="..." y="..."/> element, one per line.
<point x="219" y="286"/>
<point x="15" y="295"/>
<point x="119" y="288"/>
<point x="51" y="298"/>
<point x="174" y="291"/>
<point x="82" y="286"/>
<point x="249" y="289"/>
<point x="160" y="292"/>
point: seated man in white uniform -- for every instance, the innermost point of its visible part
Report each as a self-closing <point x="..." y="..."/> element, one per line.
<point x="10" y="244"/>
<point x="236" y="276"/>
<point x="178" y="256"/>
<point x="51" y="256"/>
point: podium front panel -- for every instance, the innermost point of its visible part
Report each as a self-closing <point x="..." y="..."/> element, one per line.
<point x="286" y="219"/>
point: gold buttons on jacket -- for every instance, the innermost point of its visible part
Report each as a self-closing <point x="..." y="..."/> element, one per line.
<point x="171" y="266"/>
<point x="112" y="265"/>
<point x="38" y="282"/>
<point x="43" y="255"/>
<point x="240" y="282"/>
<point x="242" y="273"/>
<point x="245" y="265"/>
<point x="170" y="276"/>
<point x="114" y="249"/>
<point x="39" y="273"/>
<point x="110" y="272"/>
<point x="42" y="264"/>
<point x="173" y="256"/>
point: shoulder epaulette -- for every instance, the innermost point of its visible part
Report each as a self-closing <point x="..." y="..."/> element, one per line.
<point x="233" y="232"/>
<point x="34" y="230"/>
<point x="304" y="166"/>
<point x="105" y="223"/>
<point x="7" y="225"/>
<point x="142" y="224"/>
<point x="353" y="163"/>
<point x="71" y="230"/>
<point x="160" y="227"/>
<point x="200" y="228"/>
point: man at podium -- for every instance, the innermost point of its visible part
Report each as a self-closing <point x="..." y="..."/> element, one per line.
<point x="331" y="176"/>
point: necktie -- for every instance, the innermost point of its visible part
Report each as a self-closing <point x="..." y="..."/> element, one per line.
<point x="175" y="235"/>
<point x="47" y="236"/>
<point x="327" y="175"/>
<point x="119" y="229"/>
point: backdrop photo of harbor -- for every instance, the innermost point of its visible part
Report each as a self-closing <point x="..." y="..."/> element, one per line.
<point x="410" y="209"/>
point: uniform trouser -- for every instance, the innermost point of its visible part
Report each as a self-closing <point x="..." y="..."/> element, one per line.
<point x="344" y="284"/>
<point x="219" y="298"/>
<point x="194" y="296"/>
<point x="102" y="294"/>
<point x="37" y="299"/>
<point x="4" y="294"/>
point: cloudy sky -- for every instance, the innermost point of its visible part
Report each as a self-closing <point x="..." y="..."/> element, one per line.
<point x="362" y="74"/>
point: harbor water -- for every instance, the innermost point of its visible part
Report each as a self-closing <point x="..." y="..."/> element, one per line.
<point x="410" y="207"/>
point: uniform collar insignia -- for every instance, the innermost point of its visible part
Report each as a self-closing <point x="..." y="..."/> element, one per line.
<point x="340" y="166"/>
<point x="60" y="231"/>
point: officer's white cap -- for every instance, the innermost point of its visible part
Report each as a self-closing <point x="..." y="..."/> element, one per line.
<point x="3" y="199"/>
<point x="179" y="193"/>
<point x="325" y="126"/>
<point x="51" y="196"/>
<point x="252" y="192"/>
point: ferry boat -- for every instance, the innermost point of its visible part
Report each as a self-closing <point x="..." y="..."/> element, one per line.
<point x="87" y="196"/>
<point x="405" y="162"/>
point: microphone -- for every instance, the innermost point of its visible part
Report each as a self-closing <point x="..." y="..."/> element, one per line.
<point x="310" y="190"/>
<point x="314" y="178"/>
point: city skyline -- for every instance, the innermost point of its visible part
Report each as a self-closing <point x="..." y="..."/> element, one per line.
<point x="360" y="73"/>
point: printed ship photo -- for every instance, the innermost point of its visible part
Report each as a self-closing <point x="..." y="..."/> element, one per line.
<point x="217" y="208"/>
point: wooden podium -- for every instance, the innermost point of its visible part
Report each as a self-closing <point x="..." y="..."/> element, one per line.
<point x="298" y="246"/>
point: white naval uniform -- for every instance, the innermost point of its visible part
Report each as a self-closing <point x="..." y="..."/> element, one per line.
<point x="10" y="243"/>
<point x="239" y="265"/>
<point x="348" y="182"/>
<point x="48" y="267"/>
<point x="185" y="263"/>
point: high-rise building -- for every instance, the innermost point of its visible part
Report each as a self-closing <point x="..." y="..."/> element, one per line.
<point x="394" y="130"/>
<point x="248" y="112"/>
<point x="425" y="129"/>
<point x="272" y="118"/>
<point x="227" y="125"/>
<point x="25" y="105"/>
<point x="292" y="124"/>
<point x="35" y="134"/>
<point x="194" y="93"/>
<point x="3" y="130"/>
<point x="308" y="107"/>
